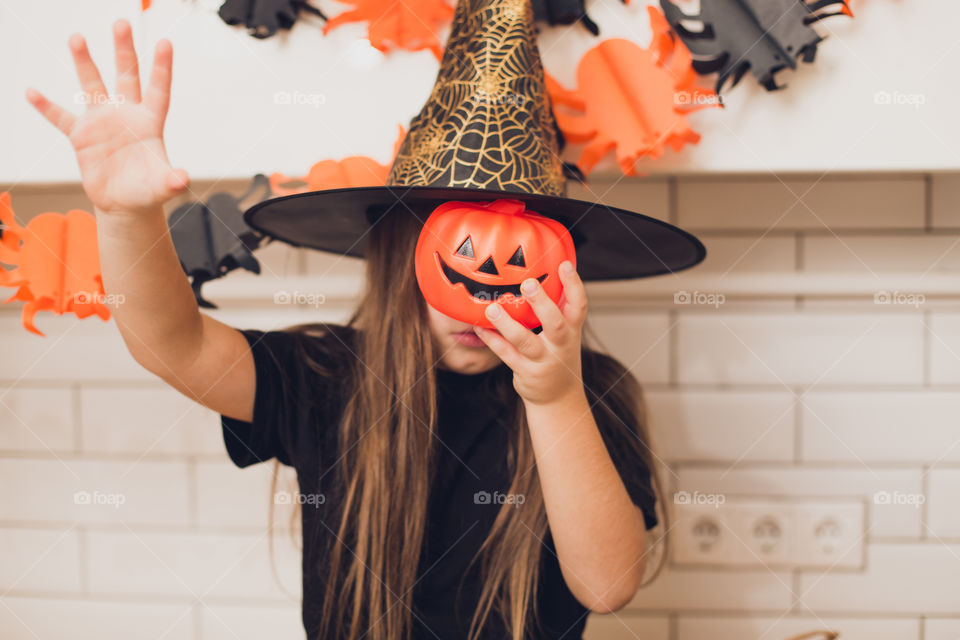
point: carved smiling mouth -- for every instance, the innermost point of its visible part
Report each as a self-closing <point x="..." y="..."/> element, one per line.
<point x="480" y="290"/>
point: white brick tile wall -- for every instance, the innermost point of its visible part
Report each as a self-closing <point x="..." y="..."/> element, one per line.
<point x="650" y="196"/>
<point x="945" y="200"/>
<point x="770" y="396"/>
<point x="917" y="578"/>
<point x="741" y="628"/>
<point x="880" y="426"/>
<point x="891" y="519"/>
<point x="113" y="420"/>
<point x="642" y="342"/>
<point x="685" y="589"/>
<point x="722" y="425"/>
<point x="228" y="496"/>
<point x="73" y="350"/>
<point x="799" y="348"/>
<point x="942" y="629"/>
<point x="943" y="503"/>
<point x="234" y="622"/>
<point x="53" y="619"/>
<point x="809" y="203"/>
<point x="873" y="256"/>
<point x="944" y="329"/>
<point x="748" y="254"/>
<point x="38" y="560"/>
<point x="94" y="491"/>
<point x="36" y="419"/>
<point x="191" y="564"/>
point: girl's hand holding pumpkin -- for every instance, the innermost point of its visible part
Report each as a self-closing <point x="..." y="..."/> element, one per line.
<point x="546" y="366"/>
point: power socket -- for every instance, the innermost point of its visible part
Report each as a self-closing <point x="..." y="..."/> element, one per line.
<point x="788" y="532"/>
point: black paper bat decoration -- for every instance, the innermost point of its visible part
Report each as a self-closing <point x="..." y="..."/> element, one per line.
<point x="212" y="238"/>
<point x="263" y="17"/>
<point x="763" y="36"/>
<point x="555" y="12"/>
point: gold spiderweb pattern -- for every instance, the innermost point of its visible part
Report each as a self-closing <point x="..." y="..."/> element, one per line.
<point x="487" y="123"/>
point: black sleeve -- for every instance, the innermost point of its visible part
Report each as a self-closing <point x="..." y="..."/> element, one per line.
<point x="279" y="405"/>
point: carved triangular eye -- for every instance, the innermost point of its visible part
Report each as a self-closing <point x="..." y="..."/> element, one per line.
<point x="517" y="258"/>
<point x="466" y="249"/>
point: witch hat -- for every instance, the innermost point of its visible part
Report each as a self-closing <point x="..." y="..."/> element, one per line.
<point x="486" y="133"/>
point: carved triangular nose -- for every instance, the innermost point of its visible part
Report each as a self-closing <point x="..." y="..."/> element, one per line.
<point x="489" y="267"/>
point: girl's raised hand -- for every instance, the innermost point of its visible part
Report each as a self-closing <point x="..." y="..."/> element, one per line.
<point x="546" y="366"/>
<point x="118" y="139"/>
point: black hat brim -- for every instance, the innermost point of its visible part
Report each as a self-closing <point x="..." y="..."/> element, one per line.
<point x="611" y="243"/>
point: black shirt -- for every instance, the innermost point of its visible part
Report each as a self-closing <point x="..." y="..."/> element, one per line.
<point x="295" y="419"/>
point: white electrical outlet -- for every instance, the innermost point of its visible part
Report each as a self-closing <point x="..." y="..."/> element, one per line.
<point x="831" y="534"/>
<point x="701" y="535"/>
<point x="788" y="532"/>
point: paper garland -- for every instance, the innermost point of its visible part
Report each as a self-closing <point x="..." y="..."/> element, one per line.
<point x="56" y="266"/>
<point x="762" y="36"/>
<point x="632" y="99"/>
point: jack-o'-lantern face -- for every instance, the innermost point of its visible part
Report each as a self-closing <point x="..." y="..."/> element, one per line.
<point x="470" y="254"/>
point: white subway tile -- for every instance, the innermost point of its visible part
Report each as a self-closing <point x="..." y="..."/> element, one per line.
<point x="900" y="579"/>
<point x="941" y="629"/>
<point x="874" y="426"/>
<point x="896" y="517"/>
<point x="73" y="349"/>
<point x="639" y="341"/>
<point x="147" y="421"/>
<point x="800" y="203"/>
<point x="85" y="619"/>
<point x="945" y="202"/>
<point x="943" y="496"/>
<point x="191" y="564"/>
<point x="681" y="589"/>
<point x="944" y="331"/>
<point x="880" y="255"/>
<point x="722" y="425"/>
<point x="650" y="197"/>
<point x="94" y="491"/>
<point x="36" y="419"/>
<point x="40" y="560"/>
<point x="229" y="496"/>
<point x="799" y="348"/>
<point x="235" y="622"/>
<point x="767" y="628"/>
<point x="750" y="254"/>
<point x="625" y="626"/>
<point x="322" y="263"/>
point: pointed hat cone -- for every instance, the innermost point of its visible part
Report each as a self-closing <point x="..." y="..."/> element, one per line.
<point x="486" y="132"/>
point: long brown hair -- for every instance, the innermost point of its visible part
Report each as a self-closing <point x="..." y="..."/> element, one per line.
<point x="386" y="449"/>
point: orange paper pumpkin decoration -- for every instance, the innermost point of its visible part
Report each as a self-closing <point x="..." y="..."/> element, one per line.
<point x="633" y="100"/>
<point x="353" y="171"/>
<point x="410" y="24"/>
<point x="470" y="254"/>
<point x="57" y="267"/>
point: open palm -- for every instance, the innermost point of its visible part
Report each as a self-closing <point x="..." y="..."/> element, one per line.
<point x="119" y="139"/>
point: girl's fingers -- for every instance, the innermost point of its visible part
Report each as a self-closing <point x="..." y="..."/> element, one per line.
<point x="87" y="72"/>
<point x="522" y="339"/>
<point x="55" y="114"/>
<point x="157" y="97"/>
<point x="128" y="71"/>
<point x="500" y="347"/>
<point x="574" y="295"/>
<point x="551" y="319"/>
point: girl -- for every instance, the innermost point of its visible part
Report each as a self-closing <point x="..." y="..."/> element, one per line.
<point x="454" y="482"/>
